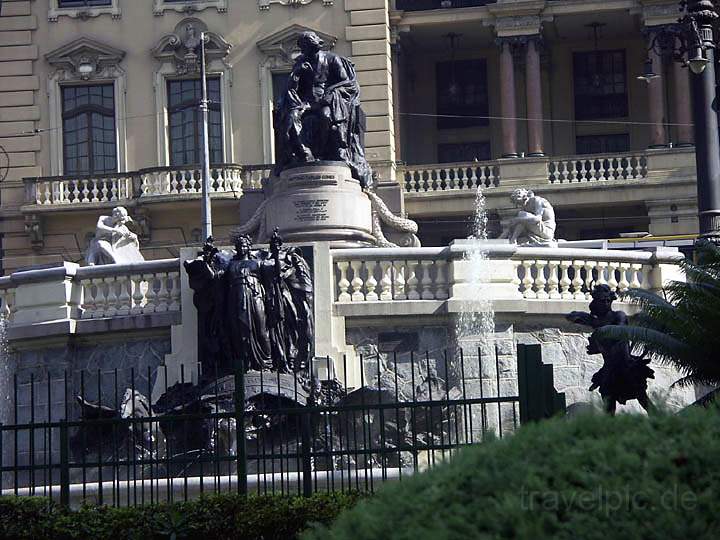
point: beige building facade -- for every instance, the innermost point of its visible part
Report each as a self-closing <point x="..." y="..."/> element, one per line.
<point x="98" y="109"/>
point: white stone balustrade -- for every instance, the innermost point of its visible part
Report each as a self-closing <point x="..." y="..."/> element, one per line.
<point x="391" y="275"/>
<point x="135" y="289"/>
<point x="188" y="180"/>
<point x="64" y="190"/>
<point x="155" y="182"/>
<point x="597" y="168"/>
<point x="547" y="275"/>
<point x="451" y="176"/>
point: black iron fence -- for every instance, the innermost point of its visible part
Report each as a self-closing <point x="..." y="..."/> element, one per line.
<point x="94" y="436"/>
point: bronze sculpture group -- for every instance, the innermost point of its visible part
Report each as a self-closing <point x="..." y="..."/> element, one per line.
<point x="623" y="375"/>
<point x="254" y="307"/>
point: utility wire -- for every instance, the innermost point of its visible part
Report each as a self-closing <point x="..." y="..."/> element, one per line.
<point x="36" y="131"/>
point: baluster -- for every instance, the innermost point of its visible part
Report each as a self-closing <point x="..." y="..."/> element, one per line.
<point x="540" y="281"/>
<point x="527" y="280"/>
<point x="623" y="284"/>
<point x="516" y="276"/>
<point x="111" y="298"/>
<point x="633" y="277"/>
<point x="162" y="295"/>
<point x="173" y="291"/>
<point x="472" y="181"/>
<point x="412" y="281"/>
<point x="553" y="281"/>
<point x="357" y="282"/>
<point x="386" y="280"/>
<point x="371" y="282"/>
<point x="589" y="280"/>
<point x="601" y="273"/>
<point x="398" y="271"/>
<point x="138" y="295"/>
<point x="124" y="298"/>
<point x="101" y="298"/>
<point x="343" y="283"/>
<point x="565" y="280"/>
<point x="426" y="281"/>
<point x="151" y="296"/>
<point x="105" y="197"/>
<point x="183" y="181"/>
<point x="577" y="281"/>
<point x="644" y="276"/>
<point x="89" y="304"/>
<point x="76" y="191"/>
<point x="113" y="194"/>
<point x="441" y="285"/>
<point x="612" y="279"/>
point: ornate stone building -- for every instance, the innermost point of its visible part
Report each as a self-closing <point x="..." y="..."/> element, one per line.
<point x="98" y="107"/>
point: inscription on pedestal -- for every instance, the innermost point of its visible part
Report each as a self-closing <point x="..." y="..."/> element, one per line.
<point x="314" y="210"/>
<point x="309" y="177"/>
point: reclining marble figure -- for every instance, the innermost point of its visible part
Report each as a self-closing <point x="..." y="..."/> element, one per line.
<point x="534" y="224"/>
<point x="114" y="242"/>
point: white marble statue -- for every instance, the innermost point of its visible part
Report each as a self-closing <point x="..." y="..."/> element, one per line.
<point x="114" y="243"/>
<point x="534" y="224"/>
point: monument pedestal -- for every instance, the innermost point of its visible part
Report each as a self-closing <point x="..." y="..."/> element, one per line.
<point x="319" y="202"/>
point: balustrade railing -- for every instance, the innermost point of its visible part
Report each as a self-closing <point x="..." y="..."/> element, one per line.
<point x="144" y="183"/>
<point x="188" y="179"/>
<point x="597" y="168"/>
<point x="568" y="274"/>
<point x="132" y="289"/>
<point x="424" y="5"/>
<point x="410" y="274"/>
<point x="80" y="189"/>
<point x="451" y="176"/>
<point x="371" y="275"/>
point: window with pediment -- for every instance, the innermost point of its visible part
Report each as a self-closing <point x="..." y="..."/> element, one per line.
<point x="177" y="93"/>
<point x="86" y="93"/>
<point x="83" y="9"/>
<point x="188" y="6"/>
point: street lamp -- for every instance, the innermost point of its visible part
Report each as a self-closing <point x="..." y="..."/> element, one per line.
<point x="695" y="34"/>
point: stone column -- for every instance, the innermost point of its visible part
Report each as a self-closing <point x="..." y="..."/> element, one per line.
<point x="682" y="115"/>
<point x="396" y="50"/>
<point x="533" y="90"/>
<point x="508" y="109"/>
<point x="656" y="100"/>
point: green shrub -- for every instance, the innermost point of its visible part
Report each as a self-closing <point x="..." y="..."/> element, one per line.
<point x="592" y="477"/>
<point x="213" y="517"/>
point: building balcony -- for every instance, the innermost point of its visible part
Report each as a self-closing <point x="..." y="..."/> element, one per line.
<point x="154" y="184"/>
<point x="425" y="5"/>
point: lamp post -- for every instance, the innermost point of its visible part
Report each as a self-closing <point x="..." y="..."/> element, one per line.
<point x="695" y="32"/>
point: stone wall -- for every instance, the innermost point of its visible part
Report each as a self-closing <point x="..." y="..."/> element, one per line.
<point x="50" y="378"/>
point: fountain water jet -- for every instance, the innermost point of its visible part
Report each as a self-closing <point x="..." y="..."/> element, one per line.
<point x="477" y="319"/>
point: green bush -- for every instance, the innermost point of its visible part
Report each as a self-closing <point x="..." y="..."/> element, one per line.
<point x="592" y="477"/>
<point x="209" y="518"/>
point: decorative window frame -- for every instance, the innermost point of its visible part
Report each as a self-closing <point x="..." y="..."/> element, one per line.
<point x="83" y="12"/>
<point x="189" y="6"/>
<point x="265" y="5"/>
<point x="105" y="63"/>
<point x="178" y="60"/>
<point x="279" y="52"/>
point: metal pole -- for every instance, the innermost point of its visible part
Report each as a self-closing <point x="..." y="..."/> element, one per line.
<point x="705" y="119"/>
<point x="206" y="179"/>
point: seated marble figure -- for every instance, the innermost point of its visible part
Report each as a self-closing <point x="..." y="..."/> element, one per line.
<point x="114" y="242"/>
<point x="534" y="224"/>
